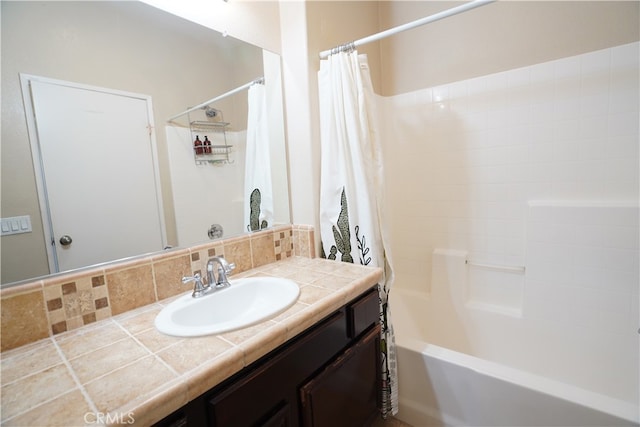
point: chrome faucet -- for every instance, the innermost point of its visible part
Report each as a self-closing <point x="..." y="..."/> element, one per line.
<point x="200" y="288"/>
<point x="224" y="269"/>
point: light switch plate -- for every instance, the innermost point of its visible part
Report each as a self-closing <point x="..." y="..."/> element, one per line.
<point x="16" y="225"/>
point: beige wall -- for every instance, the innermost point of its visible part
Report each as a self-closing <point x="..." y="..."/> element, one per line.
<point x="495" y="37"/>
<point x="255" y="22"/>
<point x="331" y="23"/>
<point x="127" y="46"/>
<point x="300" y="126"/>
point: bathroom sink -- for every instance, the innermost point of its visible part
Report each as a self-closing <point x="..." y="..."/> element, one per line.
<point x="246" y="302"/>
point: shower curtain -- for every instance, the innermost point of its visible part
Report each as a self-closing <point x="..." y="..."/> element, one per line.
<point x="258" y="193"/>
<point x="351" y="218"/>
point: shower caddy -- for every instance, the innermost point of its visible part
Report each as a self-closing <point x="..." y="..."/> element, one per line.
<point x="219" y="153"/>
<point x="218" y="150"/>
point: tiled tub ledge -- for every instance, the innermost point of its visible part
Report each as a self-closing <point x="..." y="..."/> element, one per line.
<point x="121" y="370"/>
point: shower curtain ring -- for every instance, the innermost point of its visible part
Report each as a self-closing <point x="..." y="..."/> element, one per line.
<point x="347" y="48"/>
<point x="350" y="47"/>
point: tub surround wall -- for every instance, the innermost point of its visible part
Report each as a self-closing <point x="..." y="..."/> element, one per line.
<point x="534" y="167"/>
<point x="463" y="159"/>
<point x="570" y="332"/>
<point x="35" y="310"/>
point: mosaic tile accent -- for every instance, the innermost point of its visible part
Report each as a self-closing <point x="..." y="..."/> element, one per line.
<point x="283" y="244"/>
<point x="75" y="303"/>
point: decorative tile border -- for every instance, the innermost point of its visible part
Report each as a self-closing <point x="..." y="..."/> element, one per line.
<point x="283" y="244"/>
<point x="73" y="304"/>
<point x="35" y="310"/>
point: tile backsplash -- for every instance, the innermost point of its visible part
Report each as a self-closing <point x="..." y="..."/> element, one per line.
<point x="45" y="307"/>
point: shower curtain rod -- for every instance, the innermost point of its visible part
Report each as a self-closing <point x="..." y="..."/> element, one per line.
<point x="408" y="26"/>
<point x="259" y="80"/>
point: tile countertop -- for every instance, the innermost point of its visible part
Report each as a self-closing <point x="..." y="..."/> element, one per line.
<point x="121" y="370"/>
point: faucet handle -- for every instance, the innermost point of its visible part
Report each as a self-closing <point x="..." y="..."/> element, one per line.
<point x="187" y="279"/>
<point x="199" y="288"/>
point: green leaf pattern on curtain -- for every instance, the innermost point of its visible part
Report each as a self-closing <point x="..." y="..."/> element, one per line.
<point x="254" y="214"/>
<point x="362" y="247"/>
<point x="341" y="234"/>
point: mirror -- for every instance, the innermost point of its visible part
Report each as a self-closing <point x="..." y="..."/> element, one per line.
<point x="134" y="47"/>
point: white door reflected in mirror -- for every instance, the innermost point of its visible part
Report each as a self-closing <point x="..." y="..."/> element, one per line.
<point x="100" y="198"/>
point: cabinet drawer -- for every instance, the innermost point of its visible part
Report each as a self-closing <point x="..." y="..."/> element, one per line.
<point x="363" y="313"/>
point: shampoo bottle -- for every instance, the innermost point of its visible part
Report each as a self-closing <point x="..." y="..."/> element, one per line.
<point x="197" y="144"/>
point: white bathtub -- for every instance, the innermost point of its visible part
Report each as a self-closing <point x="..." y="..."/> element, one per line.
<point x="439" y="386"/>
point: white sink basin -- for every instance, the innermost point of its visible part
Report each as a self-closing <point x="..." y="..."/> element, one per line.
<point x="246" y="302"/>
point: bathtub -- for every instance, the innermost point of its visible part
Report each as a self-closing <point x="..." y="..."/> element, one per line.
<point x="441" y="386"/>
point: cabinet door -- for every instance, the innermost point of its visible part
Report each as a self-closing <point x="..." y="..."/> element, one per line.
<point x="345" y="393"/>
<point x="253" y="397"/>
<point x="282" y="418"/>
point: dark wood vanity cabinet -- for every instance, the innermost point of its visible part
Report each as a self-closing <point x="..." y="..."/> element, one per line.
<point x="328" y="375"/>
<point x="343" y="394"/>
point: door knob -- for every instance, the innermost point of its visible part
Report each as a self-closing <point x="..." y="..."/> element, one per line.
<point x="65" y="240"/>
